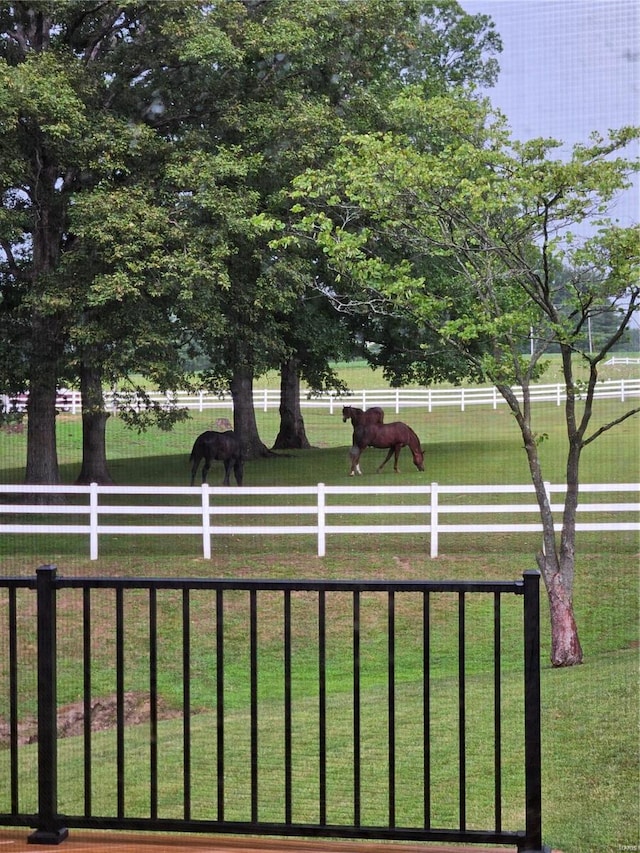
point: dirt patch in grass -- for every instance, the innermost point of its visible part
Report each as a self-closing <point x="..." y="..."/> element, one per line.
<point x="104" y="712"/>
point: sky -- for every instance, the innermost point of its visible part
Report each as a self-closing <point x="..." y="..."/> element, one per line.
<point x="568" y="67"/>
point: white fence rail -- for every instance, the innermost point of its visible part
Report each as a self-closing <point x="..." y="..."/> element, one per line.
<point x="393" y="399"/>
<point x="208" y="511"/>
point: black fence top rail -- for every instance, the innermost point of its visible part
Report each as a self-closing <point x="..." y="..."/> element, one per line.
<point x="298" y="585"/>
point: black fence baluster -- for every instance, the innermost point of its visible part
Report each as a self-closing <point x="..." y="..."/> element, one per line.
<point x="357" y="754"/>
<point x="391" y="703"/>
<point x="186" y="704"/>
<point x="322" y="708"/>
<point x="288" y="743"/>
<point x="497" y="711"/>
<point x="120" y="774"/>
<point x="86" y="697"/>
<point x="153" y="703"/>
<point x="426" y="706"/>
<point x="50" y="830"/>
<point x="220" y="702"/>
<point x="13" y="701"/>
<point x="532" y="713"/>
<point x="253" y="652"/>
<point x="462" y="711"/>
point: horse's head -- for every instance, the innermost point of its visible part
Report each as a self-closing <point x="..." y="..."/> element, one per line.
<point x="418" y="459"/>
<point x="346" y="413"/>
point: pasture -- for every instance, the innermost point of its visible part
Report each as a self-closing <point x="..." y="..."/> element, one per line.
<point x="589" y="713"/>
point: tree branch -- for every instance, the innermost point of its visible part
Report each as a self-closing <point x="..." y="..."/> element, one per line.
<point x="610" y="425"/>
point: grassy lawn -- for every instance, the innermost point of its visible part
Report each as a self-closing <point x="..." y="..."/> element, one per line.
<point x="590" y="713"/>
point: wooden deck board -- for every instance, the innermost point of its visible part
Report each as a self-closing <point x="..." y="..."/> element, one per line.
<point x="15" y="841"/>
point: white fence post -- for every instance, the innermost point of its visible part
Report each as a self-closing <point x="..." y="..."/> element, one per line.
<point x="434" y="520"/>
<point x="322" y="544"/>
<point x="206" y="523"/>
<point x="93" y="521"/>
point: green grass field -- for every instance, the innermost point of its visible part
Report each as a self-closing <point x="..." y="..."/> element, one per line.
<point x="590" y="713"/>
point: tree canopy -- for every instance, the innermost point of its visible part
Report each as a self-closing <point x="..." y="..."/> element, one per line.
<point x="140" y="142"/>
<point x="504" y="218"/>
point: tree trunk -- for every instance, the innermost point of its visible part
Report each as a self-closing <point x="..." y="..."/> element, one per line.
<point x="244" y="416"/>
<point x="94" y="422"/>
<point x="292" y="435"/>
<point x="42" y="454"/>
<point x="556" y="566"/>
<point x="47" y="340"/>
<point x="565" y="644"/>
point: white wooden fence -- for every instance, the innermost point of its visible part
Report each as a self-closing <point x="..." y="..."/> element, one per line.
<point x="208" y="511"/>
<point x="393" y="399"/>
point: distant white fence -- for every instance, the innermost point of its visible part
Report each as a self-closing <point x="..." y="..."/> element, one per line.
<point x="393" y="399"/>
<point x="615" y="360"/>
<point x="208" y="511"/>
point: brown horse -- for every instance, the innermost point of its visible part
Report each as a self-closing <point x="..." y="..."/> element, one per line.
<point x="220" y="446"/>
<point x="394" y="436"/>
<point x="374" y="415"/>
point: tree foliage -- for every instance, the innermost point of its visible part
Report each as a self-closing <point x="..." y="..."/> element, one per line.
<point x="505" y="219"/>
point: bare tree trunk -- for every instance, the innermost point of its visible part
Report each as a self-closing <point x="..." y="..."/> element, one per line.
<point x="46" y="331"/>
<point x="42" y="455"/>
<point x="565" y="644"/>
<point x="244" y="416"/>
<point x="94" y="423"/>
<point x="556" y="566"/>
<point x="292" y="435"/>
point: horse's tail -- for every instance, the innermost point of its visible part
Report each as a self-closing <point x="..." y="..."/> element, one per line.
<point x="196" y="451"/>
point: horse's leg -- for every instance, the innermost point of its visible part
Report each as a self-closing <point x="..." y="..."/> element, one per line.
<point x="205" y="468"/>
<point x="238" y="470"/>
<point x="397" y="450"/>
<point x="194" y="469"/>
<point x="388" y="457"/>
<point x="227" y="472"/>
<point x="355" y="453"/>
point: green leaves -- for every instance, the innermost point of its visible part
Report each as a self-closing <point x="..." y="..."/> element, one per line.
<point x="494" y="212"/>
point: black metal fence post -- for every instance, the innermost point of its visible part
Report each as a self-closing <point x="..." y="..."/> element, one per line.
<point x="532" y="716"/>
<point x="49" y="830"/>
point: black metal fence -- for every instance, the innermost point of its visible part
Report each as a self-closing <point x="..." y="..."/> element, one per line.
<point x="293" y="708"/>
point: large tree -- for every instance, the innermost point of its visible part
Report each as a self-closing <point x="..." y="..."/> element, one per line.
<point x="505" y="218"/>
<point x="243" y="95"/>
<point x="74" y="118"/>
<point x="296" y="77"/>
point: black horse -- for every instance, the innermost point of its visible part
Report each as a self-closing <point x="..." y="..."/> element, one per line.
<point x="218" y="446"/>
